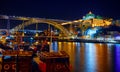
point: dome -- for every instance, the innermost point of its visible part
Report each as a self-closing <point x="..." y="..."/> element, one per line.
<point x="90" y="15"/>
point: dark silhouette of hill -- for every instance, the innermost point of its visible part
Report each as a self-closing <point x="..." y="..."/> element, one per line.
<point x="110" y="28"/>
<point x="113" y="28"/>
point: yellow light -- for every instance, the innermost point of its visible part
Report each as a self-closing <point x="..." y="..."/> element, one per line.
<point x="63" y="23"/>
<point x="80" y="20"/>
<point x="69" y="22"/>
<point x="23" y="42"/>
<point x="37" y="42"/>
<point x="75" y="21"/>
<point x="36" y="35"/>
<point x="23" y="34"/>
<point x="107" y="22"/>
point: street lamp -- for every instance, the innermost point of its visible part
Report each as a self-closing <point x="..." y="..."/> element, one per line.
<point x="36" y="35"/>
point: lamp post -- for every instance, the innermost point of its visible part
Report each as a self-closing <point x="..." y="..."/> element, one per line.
<point x="23" y="30"/>
<point x="36" y="30"/>
<point x="8" y="27"/>
<point x="50" y="28"/>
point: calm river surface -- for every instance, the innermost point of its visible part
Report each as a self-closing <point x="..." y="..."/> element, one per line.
<point x="91" y="57"/>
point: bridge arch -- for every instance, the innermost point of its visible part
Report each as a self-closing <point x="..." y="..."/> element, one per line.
<point x="47" y="21"/>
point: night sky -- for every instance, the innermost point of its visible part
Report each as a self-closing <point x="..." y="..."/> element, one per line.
<point x="60" y="9"/>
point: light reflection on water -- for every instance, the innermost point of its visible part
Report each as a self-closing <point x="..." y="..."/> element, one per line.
<point x="91" y="57"/>
<point x="117" y="58"/>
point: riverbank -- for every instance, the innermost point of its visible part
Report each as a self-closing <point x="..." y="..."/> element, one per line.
<point x="88" y="41"/>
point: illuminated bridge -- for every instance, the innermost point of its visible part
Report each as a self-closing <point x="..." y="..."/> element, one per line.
<point x="88" y="22"/>
<point x="28" y="21"/>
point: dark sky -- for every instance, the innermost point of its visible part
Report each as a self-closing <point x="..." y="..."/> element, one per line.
<point x="60" y="9"/>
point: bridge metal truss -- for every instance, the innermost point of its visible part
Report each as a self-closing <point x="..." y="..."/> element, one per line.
<point x="40" y="20"/>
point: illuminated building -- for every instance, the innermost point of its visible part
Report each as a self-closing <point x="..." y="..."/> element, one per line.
<point x="90" y="15"/>
<point x="95" y="21"/>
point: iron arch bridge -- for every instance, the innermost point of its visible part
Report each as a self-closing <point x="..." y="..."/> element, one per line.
<point x="28" y="21"/>
<point x="48" y="21"/>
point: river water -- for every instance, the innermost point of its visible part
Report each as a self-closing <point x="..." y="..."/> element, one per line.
<point x="91" y="57"/>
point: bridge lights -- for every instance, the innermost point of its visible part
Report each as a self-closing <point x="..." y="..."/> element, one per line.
<point x="23" y="34"/>
<point x="36" y="35"/>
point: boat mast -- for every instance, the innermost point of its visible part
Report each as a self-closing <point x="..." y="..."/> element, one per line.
<point x="50" y="38"/>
